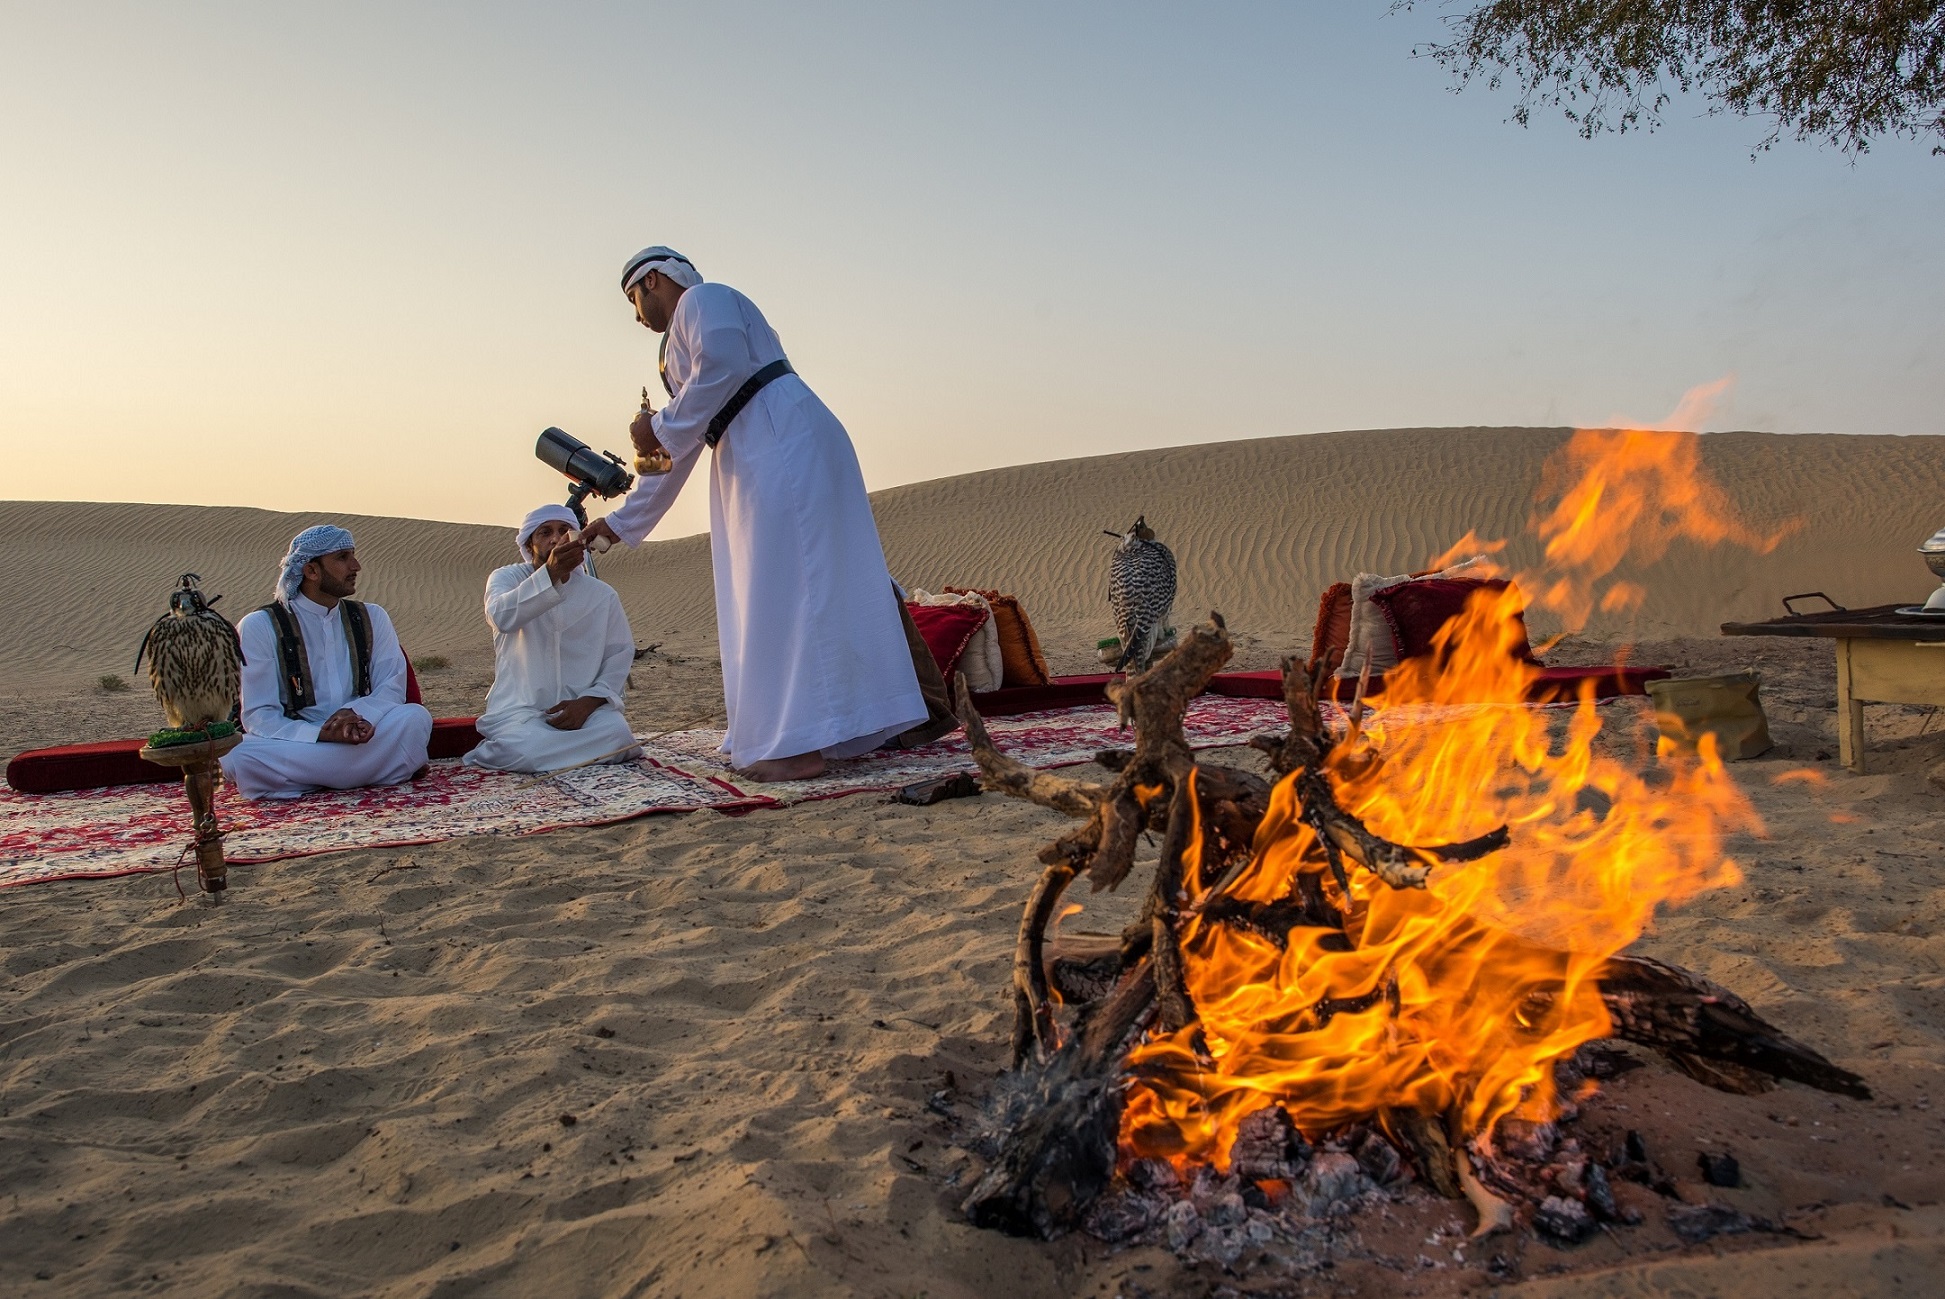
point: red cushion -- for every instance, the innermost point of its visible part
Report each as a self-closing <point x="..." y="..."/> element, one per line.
<point x="452" y="737"/>
<point x="1416" y="610"/>
<point x="85" y="766"/>
<point x="947" y="629"/>
<point x="1059" y="692"/>
<point x="1248" y="685"/>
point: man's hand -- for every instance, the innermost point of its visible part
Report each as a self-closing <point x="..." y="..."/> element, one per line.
<point x="642" y="431"/>
<point x="345" y="727"/>
<point x="562" y="559"/>
<point x="573" y="714"/>
<point x="599" y="528"/>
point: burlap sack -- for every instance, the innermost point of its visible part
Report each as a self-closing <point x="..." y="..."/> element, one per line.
<point x="1727" y="707"/>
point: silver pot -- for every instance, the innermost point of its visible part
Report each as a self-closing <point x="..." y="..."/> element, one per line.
<point x="1934" y="552"/>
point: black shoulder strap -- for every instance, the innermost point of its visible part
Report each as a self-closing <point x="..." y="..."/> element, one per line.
<point x="293" y="664"/>
<point x="662" y="364"/>
<point x="741" y="397"/>
<point x="357" y="628"/>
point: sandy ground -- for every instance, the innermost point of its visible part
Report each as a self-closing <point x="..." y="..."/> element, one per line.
<point x="354" y="1076"/>
<point x="704" y="1055"/>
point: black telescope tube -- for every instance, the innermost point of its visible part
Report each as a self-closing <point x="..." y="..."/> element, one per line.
<point x="601" y="475"/>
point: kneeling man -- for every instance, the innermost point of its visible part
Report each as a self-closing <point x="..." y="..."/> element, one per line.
<point x="561" y="654"/>
<point x="323" y="683"/>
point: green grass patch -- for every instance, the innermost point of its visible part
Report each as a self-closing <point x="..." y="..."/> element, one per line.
<point x="169" y="739"/>
<point x="431" y="662"/>
<point x="112" y="684"/>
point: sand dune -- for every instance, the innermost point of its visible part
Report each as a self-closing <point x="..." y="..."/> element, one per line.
<point x="1259" y="529"/>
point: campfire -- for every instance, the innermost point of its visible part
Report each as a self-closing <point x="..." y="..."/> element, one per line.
<point x="1401" y="952"/>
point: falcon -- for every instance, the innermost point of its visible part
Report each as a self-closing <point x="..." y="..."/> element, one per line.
<point x="195" y="660"/>
<point x="1141" y="591"/>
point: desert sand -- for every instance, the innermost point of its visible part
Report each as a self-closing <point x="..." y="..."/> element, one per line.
<point x="705" y="1055"/>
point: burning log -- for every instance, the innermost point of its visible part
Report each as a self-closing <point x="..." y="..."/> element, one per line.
<point x="1710" y="1033"/>
<point x="1134" y="1034"/>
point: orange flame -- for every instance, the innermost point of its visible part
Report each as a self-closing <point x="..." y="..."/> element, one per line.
<point x="1459" y="998"/>
<point x="1627" y="494"/>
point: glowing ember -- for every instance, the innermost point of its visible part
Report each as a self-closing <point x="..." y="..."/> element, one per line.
<point x="1458" y="998"/>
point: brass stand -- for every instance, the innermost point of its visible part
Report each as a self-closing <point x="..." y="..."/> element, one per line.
<point x="199" y="775"/>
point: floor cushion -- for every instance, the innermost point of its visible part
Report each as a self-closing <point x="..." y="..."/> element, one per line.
<point x="1332" y="633"/>
<point x="946" y="630"/>
<point x="1415" y="612"/>
<point x="1369" y="640"/>
<point x="980" y="662"/>
<point x="1021" y="662"/>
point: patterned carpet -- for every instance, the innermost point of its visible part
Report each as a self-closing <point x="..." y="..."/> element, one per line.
<point x="143" y="828"/>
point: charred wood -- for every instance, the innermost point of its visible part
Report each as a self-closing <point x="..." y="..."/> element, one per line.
<point x="1689" y="1019"/>
<point x="1054" y="1127"/>
<point x="1423" y="1137"/>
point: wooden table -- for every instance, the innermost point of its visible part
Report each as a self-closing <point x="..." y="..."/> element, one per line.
<point x="1883" y="657"/>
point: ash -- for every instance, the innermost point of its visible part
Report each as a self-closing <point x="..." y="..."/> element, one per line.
<point x="1288" y="1206"/>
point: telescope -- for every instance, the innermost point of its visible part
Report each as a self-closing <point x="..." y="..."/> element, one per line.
<point x="601" y="475"/>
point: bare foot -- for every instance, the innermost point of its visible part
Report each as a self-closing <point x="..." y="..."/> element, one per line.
<point x="805" y="766"/>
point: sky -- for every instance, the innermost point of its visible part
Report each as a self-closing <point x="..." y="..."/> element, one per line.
<point x="356" y="256"/>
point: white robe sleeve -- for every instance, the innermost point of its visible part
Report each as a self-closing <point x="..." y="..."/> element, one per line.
<point x="387" y="670"/>
<point x="513" y="601"/>
<point x="263" y="707"/>
<point x="643" y="508"/>
<point x="617" y="656"/>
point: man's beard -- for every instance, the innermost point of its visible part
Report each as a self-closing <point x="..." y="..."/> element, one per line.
<point x="338" y="588"/>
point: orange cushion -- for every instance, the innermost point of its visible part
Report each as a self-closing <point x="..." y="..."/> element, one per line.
<point x="1333" y="631"/>
<point x="1022" y="663"/>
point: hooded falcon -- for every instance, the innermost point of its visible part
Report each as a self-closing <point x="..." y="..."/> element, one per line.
<point x="1141" y="591"/>
<point x="195" y="660"/>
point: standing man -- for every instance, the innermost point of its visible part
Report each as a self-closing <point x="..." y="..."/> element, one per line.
<point x="561" y="655"/>
<point x="323" y="682"/>
<point x="818" y="654"/>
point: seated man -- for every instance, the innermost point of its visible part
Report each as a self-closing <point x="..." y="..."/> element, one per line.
<point x="561" y="654"/>
<point x="323" y="683"/>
